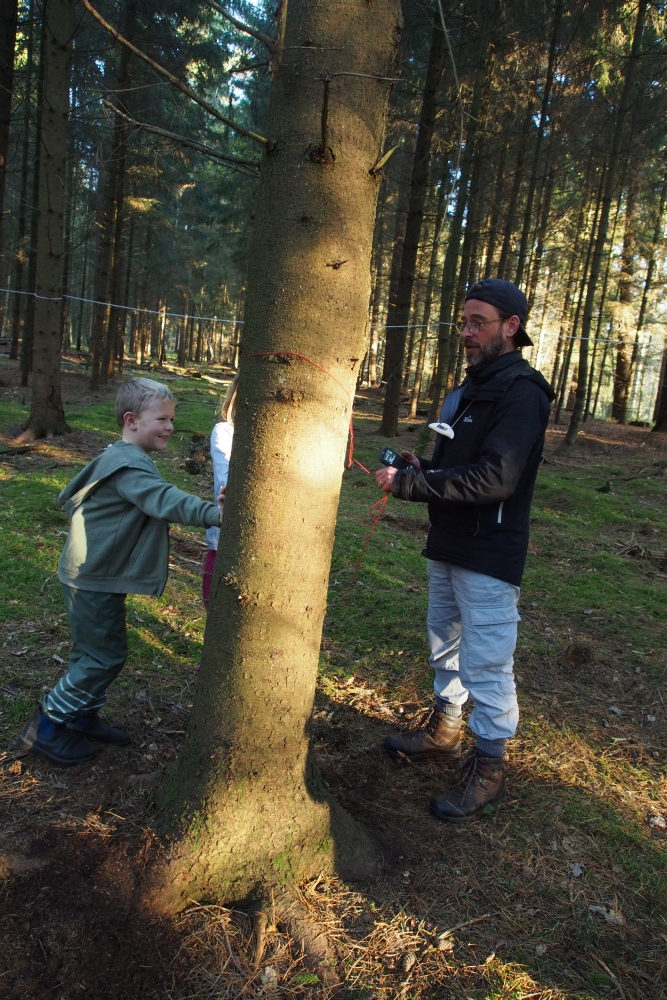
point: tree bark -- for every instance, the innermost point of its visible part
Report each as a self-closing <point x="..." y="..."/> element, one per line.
<point x="47" y="416"/>
<point x="596" y="263"/>
<point x="562" y="391"/>
<point x="544" y="112"/>
<point x="506" y="248"/>
<point x="494" y="217"/>
<point x="600" y="310"/>
<point x="660" y="412"/>
<point x="625" y="320"/>
<point x="120" y="144"/>
<point x="18" y="305"/>
<point x="29" y="315"/>
<point x="398" y="315"/>
<point x="450" y="269"/>
<point x="402" y="199"/>
<point x="8" y="21"/>
<point x="428" y="302"/>
<point x="245" y="794"/>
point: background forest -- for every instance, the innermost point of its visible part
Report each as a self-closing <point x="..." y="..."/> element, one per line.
<point x="526" y="141"/>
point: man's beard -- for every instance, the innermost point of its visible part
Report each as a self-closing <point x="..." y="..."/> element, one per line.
<point x="490" y="351"/>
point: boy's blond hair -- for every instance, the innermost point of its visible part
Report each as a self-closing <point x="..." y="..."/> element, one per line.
<point x="137" y="395"/>
<point x="228" y="408"/>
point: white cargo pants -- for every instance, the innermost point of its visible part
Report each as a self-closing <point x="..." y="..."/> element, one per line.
<point x="472" y="633"/>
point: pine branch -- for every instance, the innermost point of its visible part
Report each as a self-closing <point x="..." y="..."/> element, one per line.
<point x="259" y="35"/>
<point x="251" y="166"/>
<point x="174" y="80"/>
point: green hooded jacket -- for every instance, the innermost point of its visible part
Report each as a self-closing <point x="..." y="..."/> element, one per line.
<point x="119" y="508"/>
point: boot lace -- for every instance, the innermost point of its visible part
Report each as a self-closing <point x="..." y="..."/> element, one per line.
<point x="425" y="722"/>
<point x="468" y="767"/>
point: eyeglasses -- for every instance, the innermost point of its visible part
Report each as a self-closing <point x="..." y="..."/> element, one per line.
<point x="474" y="327"/>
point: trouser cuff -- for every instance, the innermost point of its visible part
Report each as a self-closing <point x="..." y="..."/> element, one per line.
<point x="490" y="748"/>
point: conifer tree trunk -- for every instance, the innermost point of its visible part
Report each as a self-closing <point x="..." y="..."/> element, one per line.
<point x="600" y="311"/>
<point x="398" y="315"/>
<point x="596" y="262"/>
<point x="564" y="383"/>
<point x="47" y="416"/>
<point x="29" y="316"/>
<point x="625" y="320"/>
<point x="494" y="217"/>
<point x="402" y="199"/>
<point x="650" y="270"/>
<point x="506" y="248"/>
<point x="428" y="303"/>
<point x="660" y="412"/>
<point x="544" y="112"/>
<point x="450" y="269"/>
<point x="23" y="196"/>
<point x="8" y="20"/>
<point x="245" y="794"/>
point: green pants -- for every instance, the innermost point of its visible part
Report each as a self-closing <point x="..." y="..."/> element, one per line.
<point x="98" y="653"/>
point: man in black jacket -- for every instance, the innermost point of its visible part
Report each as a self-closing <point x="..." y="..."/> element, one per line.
<point x="478" y="487"/>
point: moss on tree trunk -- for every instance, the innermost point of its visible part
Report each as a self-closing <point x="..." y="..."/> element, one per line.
<point x="244" y="799"/>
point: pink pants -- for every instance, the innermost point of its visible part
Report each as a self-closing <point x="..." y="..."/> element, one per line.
<point x="207" y="574"/>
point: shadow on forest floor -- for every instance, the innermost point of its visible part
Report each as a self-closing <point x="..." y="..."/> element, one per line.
<point x="568" y="878"/>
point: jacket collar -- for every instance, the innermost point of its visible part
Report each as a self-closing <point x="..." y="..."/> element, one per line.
<point x="488" y="369"/>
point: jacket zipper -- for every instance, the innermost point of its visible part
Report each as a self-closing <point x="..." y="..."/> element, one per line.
<point x="500" y="512"/>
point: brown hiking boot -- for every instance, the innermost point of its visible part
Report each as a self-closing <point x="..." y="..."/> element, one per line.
<point x="433" y="735"/>
<point x="482" y="783"/>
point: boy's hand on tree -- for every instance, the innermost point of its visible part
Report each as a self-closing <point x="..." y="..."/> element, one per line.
<point x="412" y="459"/>
<point x="221" y="498"/>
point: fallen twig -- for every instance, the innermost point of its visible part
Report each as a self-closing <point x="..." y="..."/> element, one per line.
<point x="464" y="923"/>
<point x="612" y="975"/>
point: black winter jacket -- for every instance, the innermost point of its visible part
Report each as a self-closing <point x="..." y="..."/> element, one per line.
<point x="479" y="485"/>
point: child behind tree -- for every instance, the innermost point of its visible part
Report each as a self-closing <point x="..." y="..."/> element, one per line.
<point x="118" y="544"/>
<point x="221" y="451"/>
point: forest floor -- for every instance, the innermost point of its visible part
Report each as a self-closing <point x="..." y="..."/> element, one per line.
<point x="559" y="893"/>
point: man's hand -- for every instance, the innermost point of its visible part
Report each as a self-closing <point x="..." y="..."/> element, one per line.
<point x="221" y="499"/>
<point x="384" y="477"/>
<point x="412" y="459"/>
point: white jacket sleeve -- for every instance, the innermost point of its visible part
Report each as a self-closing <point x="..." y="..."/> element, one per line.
<point x="221" y="450"/>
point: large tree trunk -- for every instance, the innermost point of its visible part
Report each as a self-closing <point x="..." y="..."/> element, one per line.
<point x="47" y="416"/>
<point x="398" y="316"/>
<point x="245" y="795"/>
<point x="596" y="262"/>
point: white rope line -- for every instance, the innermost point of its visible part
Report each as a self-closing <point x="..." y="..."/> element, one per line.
<point x="218" y="319"/>
<point x="117" y="305"/>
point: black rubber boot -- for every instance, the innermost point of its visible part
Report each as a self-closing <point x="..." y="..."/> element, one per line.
<point x="434" y="736"/>
<point x="482" y="783"/>
<point x="94" y="728"/>
<point x="55" y="741"/>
